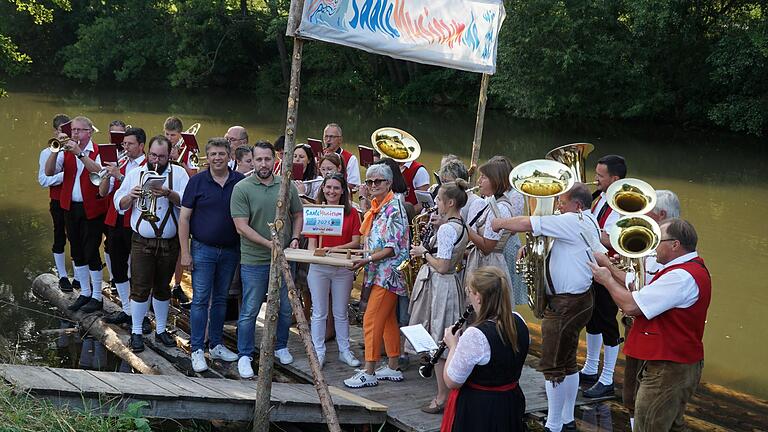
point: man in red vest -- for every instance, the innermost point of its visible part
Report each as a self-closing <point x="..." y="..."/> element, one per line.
<point x="84" y="210"/>
<point x="667" y="335"/>
<point x="53" y="183"/>
<point x="332" y="141"/>
<point x="603" y="329"/>
<point x="416" y="178"/>
<point x="119" y="225"/>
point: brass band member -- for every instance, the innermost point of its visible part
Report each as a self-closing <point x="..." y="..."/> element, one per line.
<point x="84" y="210"/>
<point x="603" y="329"/>
<point x="493" y="183"/>
<point x="485" y="363"/>
<point x="120" y="231"/>
<point x="172" y="130"/>
<point x="570" y="307"/>
<point x="238" y="138"/>
<point x="670" y="315"/>
<point x="53" y="183"/>
<point x="437" y="299"/>
<point x="155" y="244"/>
<point x="333" y="139"/>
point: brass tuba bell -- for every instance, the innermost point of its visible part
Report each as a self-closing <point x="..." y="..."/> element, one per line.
<point x="396" y="144"/>
<point x="631" y="196"/>
<point x="574" y="156"/>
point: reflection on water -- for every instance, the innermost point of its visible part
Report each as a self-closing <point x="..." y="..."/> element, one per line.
<point x="76" y="352"/>
<point x="720" y="179"/>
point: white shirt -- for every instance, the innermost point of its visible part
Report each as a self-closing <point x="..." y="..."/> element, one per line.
<point x="471" y="199"/>
<point x="674" y="289"/>
<point x="130" y="166"/>
<point x="77" y="194"/>
<point x="651" y="268"/>
<point x="446" y="238"/>
<point x="131" y="180"/>
<point x="44" y="180"/>
<point x="421" y="178"/>
<point x="353" y="169"/>
<point x="569" y="254"/>
<point x="612" y="218"/>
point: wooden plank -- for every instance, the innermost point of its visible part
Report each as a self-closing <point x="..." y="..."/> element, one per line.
<point x="136" y="385"/>
<point x="367" y="403"/>
<point x="187" y="388"/>
<point x="85" y="381"/>
<point x="36" y="379"/>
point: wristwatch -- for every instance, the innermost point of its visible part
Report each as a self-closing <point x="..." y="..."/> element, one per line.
<point x="81" y="155"/>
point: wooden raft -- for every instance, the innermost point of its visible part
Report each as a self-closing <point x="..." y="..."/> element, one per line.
<point x="183" y="397"/>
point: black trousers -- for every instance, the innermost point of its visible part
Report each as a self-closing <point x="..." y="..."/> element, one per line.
<point x="84" y="236"/>
<point x="59" y="230"/>
<point x="603" y="319"/>
<point x="119" y="249"/>
<point x="153" y="262"/>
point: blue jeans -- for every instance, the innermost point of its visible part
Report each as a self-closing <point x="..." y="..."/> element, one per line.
<point x="255" y="283"/>
<point x="214" y="268"/>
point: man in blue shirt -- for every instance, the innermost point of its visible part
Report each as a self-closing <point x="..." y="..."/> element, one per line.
<point x="215" y="249"/>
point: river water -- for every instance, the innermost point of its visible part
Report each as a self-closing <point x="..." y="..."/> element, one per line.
<point x="721" y="181"/>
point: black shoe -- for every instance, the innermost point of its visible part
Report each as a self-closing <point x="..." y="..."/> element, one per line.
<point x="587" y="379"/>
<point x="93" y="305"/>
<point x="137" y="343"/>
<point x="75" y="284"/>
<point x="599" y="390"/>
<point x="166" y="339"/>
<point x="65" y="285"/>
<point x="79" y="302"/>
<point x="113" y="287"/>
<point x="118" y="318"/>
<point x="179" y="295"/>
<point x="146" y="326"/>
<point x="569" y="427"/>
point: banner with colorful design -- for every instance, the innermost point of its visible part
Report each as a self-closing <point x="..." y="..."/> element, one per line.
<point x="459" y="34"/>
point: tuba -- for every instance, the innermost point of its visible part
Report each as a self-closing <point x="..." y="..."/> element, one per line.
<point x="631" y="197"/>
<point x="396" y="144"/>
<point x="540" y="181"/>
<point x="422" y="233"/>
<point x="147" y="202"/>
<point x="574" y="156"/>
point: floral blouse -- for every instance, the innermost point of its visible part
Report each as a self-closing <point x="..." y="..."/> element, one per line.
<point x="389" y="229"/>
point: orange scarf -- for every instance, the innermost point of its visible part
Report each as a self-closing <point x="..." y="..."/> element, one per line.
<point x="365" y="228"/>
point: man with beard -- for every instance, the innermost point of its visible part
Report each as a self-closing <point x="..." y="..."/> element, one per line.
<point x="155" y="244"/>
<point x="253" y="207"/>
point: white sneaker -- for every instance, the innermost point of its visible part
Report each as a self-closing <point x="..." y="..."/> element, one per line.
<point x="198" y="361"/>
<point x="349" y="358"/>
<point x="223" y="353"/>
<point x="244" y="367"/>
<point x="361" y="379"/>
<point x="284" y="356"/>
<point x="385" y="373"/>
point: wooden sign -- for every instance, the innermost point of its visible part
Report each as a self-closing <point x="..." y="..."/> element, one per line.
<point x="323" y="220"/>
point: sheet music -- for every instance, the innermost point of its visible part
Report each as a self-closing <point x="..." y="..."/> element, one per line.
<point x="419" y="337"/>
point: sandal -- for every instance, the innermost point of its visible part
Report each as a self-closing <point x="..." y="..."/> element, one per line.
<point x="436" y="409"/>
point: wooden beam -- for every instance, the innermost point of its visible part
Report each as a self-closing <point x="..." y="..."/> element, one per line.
<point x="478" y="138"/>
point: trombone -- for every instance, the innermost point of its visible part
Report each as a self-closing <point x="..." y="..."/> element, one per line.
<point x="98" y="177"/>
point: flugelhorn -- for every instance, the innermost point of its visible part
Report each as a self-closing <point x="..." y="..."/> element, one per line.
<point x="147" y="201"/>
<point x="98" y="177"/>
<point x="55" y="145"/>
<point x="425" y="370"/>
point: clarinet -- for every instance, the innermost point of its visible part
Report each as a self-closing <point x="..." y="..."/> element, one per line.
<point x="425" y="370"/>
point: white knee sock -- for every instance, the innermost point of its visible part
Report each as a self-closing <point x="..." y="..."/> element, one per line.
<point x="81" y="274"/>
<point x="129" y="266"/>
<point x="124" y="291"/>
<point x="632" y="423"/>
<point x="161" y="314"/>
<point x="61" y="264"/>
<point x="570" y="390"/>
<point x="138" y="312"/>
<point x="594" y="343"/>
<point x="108" y="260"/>
<point x="555" y="400"/>
<point x="97" y="279"/>
<point x="609" y="364"/>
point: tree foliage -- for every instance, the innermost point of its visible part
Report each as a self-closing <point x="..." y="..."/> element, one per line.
<point x="692" y="62"/>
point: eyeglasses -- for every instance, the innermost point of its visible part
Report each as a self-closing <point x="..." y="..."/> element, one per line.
<point x="331" y="136"/>
<point x="233" y="139"/>
<point x="157" y="156"/>
<point x="669" y="239"/>
<point x="335" y="176"/>
<point x="78" y="130"/>
<point x="376" y="182"/>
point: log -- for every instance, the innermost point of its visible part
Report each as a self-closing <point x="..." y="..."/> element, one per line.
<point x="148" y="362"/>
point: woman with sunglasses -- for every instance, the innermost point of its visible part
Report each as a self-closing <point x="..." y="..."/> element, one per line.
<point x="304" y="156"/>
<point x="437" y="299"/>
<point x="386" y="231"/>
<point x="336" y="281"/>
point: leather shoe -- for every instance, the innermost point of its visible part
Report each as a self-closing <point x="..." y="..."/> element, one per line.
<point x="587" y="379"/>
<point x="146" y="326"/>
<point x="569" y="427"/>
<point x="599" y="390"/>
<point x="437" y="409"/>
<point x="180" y="295"/>
<point x="118" y="318"/>
<point x="65" y="285"/>
<point x="166" y="339"/>
<point x="75" y="284"/>
<point x="137" y="343"/>
<point x="93" y="305"/>
<point x="79" y="302"/>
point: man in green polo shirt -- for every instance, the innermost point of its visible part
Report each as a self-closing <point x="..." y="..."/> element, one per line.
<point x="253" y="207"/>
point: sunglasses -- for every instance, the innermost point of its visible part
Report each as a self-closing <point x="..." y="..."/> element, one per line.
<point x="376" y="182"/>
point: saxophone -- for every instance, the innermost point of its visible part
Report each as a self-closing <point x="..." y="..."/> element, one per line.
<point x="422" y="233"/>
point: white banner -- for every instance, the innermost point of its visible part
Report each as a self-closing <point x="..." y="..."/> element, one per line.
<point x="459" y="34"/>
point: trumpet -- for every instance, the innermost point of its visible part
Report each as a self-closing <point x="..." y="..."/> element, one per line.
<point x="425" y="370"/>
<point x="147" y="201"/>
<point x="56" y="145"/>
<point x="98" y="177"/>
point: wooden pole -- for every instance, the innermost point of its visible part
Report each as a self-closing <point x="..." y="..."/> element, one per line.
<point x="267" y="347"/>
<point x="326" y="401"/>
<point x="477" y="141"/>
